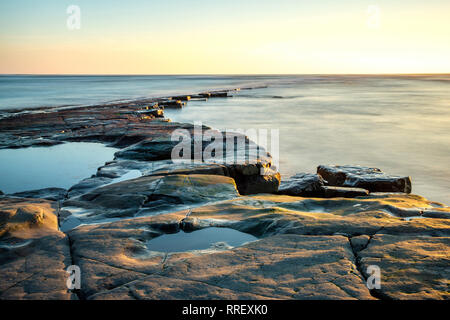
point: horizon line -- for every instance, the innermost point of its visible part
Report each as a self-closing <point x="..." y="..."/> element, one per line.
<point x="221" y="74"/>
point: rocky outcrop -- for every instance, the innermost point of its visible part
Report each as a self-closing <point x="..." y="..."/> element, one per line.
<point x="308" y="249"/>
<point x="33" y="253"/>
<point x="182" y="98"/>
<point x="147" y="195"/>
<point x="313" y="185"/>
<point x="372" y="179"/>
<point x="316" y="238"/>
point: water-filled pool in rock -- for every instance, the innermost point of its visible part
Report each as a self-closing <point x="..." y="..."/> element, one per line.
<point x="58" y="166"/>
<point x="208" y="238"/>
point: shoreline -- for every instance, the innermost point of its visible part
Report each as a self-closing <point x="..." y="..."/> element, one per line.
<point x="317" y="239"/>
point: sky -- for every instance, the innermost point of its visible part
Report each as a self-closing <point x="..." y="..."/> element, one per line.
<point x="225" y="37"/>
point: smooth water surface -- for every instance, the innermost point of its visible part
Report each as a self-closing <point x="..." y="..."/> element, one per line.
<point x="32" y="91"/>
<point x="58" y="166"/>
<point x="199" y="240"/>
<point x="400" y="124"/>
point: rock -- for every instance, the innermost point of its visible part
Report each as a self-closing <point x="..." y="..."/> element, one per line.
<point x="1" y="193"/>
<point x="371" y="179"/>
<point x="116" y="264"/>
<point x="309" y="248"/>
<point x="219" y="94"/>
<point x="344" y="192"/>
<point x="33" y="253"/>
<point x="149" y="150"/>
<point x="412" y="266"/>
<point x="88" y="184"/>
<point x="427" y="213"/>
<point x="150" y="195"/>
<point x="265" y="215"/>
<point x="359" y="242"/>
<point x="258" y="183"/>
<point x="302" y="184"/>
<point x="177" y="104"/>
<point x="157" y="113"/>
<point x="54" y="194"/>
<point x="182" y="98"/>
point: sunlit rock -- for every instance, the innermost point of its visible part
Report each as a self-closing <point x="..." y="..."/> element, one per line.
<point x="372" y="179"/>
<point x="33" y="253"/>
<point x="302" y="184"/>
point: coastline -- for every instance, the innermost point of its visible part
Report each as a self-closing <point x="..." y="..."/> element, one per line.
<point x="341" y="235"/>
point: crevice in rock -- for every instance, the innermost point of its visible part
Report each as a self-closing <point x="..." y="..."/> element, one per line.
<point x="78" y="292"/>
<point x="376" y="293"/>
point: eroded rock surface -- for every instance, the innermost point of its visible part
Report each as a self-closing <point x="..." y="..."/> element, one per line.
<point x="372" y="179"/>
<point x="33" y="253"/>
<point x="413" y="266"/>
<point x="308" y="249"/>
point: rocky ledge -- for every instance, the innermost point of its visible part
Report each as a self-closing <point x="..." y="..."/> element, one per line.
<point x="310" y="236"/>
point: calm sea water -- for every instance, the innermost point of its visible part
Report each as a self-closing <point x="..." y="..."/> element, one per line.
<point x="400" y="124"/>
<point x="59" y="166"/>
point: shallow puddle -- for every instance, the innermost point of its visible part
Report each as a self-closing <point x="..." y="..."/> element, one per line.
<point x="208" y="238"/>
<point x="58" y="166"/>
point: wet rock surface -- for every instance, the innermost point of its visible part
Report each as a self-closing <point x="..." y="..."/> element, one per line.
<point x="316" y="234"/>
<point x="47" y="193"/>
<point x="302" y="184"/>
<point x="372" y="179"/>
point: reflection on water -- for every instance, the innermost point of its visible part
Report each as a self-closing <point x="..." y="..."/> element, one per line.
<point x="208" y="238"/>
<point x="57" y="166"/>
<point x="399" y="124"/>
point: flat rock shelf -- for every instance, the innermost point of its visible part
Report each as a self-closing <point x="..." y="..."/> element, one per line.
<point x="141" y="226"/>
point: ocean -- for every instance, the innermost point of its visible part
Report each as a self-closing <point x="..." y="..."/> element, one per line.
<point x="398" y="123"/>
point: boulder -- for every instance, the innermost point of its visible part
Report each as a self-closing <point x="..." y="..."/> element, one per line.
<point x="302" y="184"/>
<point x="372" y="179"/>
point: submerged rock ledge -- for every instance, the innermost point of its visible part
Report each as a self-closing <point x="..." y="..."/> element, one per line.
<point x="317" y="233"/>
